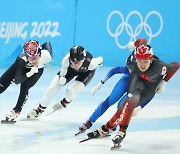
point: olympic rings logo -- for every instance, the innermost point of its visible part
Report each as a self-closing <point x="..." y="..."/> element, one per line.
<point x="133" y="33"/>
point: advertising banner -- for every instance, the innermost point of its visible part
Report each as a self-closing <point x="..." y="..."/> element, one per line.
<point x="103" y="27"/>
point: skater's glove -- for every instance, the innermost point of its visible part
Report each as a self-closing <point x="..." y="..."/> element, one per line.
<point x="136" y="111"/>
<point x="97" y="87"/>
<point x="62" y="80"/>
<point x="131" y="46"/>
<point x="161" y="87"/>
<point x="32" y="71"/>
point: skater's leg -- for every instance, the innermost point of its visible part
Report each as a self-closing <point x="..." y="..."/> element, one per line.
<point x="117" y="92"/>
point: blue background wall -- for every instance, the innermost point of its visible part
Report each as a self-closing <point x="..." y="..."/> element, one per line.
<point x="85" y="22"/>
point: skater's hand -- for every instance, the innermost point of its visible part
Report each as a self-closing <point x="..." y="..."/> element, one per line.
<point x="161" y="87"/>
<point x="131" y="46"/>
<point x="32" y="71"/>
<point x="97" y="87"/>
<point x="62" y="80"/>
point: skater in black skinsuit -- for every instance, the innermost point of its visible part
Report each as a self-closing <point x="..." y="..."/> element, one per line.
<point x="26" y="71"/>
<point x="79" y="65"/>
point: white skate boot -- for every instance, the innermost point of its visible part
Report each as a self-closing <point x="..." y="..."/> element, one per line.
<point x="11" y="116"/>
<point x="35" y="113"/>
<point x="62" y="104"/>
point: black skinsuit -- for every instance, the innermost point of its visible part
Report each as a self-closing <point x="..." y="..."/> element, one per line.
<point x="17" y="73"/>
<point x="83" y="74"/>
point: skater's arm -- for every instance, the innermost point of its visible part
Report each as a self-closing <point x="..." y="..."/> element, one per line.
<point x="115" y="70"/>
<point x="171" y="70"/>
<point x="45" y="58"/>
<point x="46" y="54"/>
<point x="95" y="62"/>
<point x="65" y="65"/>
<point x="168" y="71"/>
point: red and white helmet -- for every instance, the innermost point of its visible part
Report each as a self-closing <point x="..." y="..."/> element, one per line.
<point x="134" y="44"/>
<point x="31" y="49"/>
<point x="143" y="52"/>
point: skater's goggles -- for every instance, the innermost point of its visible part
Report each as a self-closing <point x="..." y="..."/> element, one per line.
<point x="76" y="62"/>
<point x="33" y="58"/>
<point x="144" y="61"/>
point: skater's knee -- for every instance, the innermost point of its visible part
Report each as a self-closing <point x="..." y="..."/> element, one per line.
<point x="111" y="100"/>
<point x="73" y="90"/>
<point x="3" y="88"/>
<point x="130" y="104"/>
<point x="107" y="103"/>
<point x="24" y="87"/>
<point x="70" y="94"/>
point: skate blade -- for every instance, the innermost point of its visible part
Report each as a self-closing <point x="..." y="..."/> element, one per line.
<point x="28" y="119"/>
<point x="116" y="146"/>
<point x="80" y="132"/>
<point x="105" y="135"/>
<point x="86" y="139"/>
<point x="89" y="138"/>
<point x="7" y="122"/>
<point x="50" y="113"/>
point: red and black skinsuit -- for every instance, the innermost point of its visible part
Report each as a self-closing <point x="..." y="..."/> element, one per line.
<point x="141" y="87"/>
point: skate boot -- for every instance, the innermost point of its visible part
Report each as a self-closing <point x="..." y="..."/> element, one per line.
<point x="84" y="127"/>
<point x="35" y="113"/>
<point x="100" y="132"/>
<point x="118" y="139"/>
<point x="13" y="114"/>
<point x="62" y="104"/>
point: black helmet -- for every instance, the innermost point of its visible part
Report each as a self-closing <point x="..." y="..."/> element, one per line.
<point x="77" y="53"/>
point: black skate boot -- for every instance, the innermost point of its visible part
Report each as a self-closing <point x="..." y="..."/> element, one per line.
<point x="118" y="139"/>
<point x="100" y="132"/>
<point x="84" y="127"/>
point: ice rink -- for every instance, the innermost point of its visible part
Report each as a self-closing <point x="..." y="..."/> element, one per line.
<point x="155" y="130"/>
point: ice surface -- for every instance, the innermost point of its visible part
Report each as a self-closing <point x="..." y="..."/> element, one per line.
<point x="156" y="130"/>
